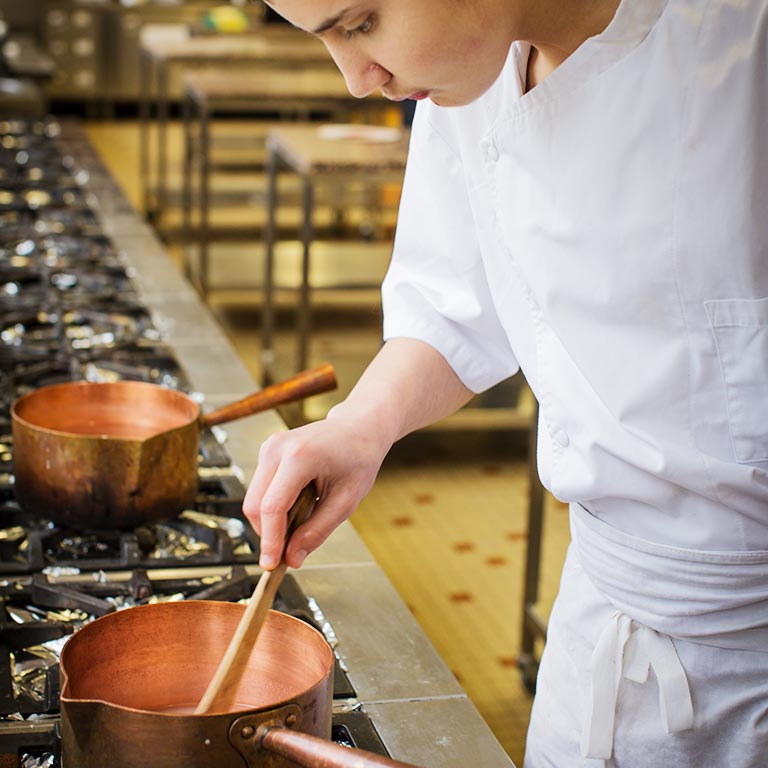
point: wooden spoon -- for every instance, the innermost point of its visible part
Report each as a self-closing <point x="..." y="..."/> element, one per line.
<point x="219" y="696"/>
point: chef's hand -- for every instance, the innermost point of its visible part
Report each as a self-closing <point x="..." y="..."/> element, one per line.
<point x="342" y="459"/>
<point x="407" y="386"/>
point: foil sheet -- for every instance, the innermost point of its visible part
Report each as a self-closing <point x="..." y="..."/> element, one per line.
<point x="30" y="672"/>
<point x="170" y="542"/>
<point x="233" y="527"/>
<point x="323" y="623"/>
<point x="46" y="760"/>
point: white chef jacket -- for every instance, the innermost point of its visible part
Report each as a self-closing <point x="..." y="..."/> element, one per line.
<point x="607" y="232"/>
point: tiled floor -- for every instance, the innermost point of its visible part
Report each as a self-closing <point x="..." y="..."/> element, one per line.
<point x="447" y="518"/>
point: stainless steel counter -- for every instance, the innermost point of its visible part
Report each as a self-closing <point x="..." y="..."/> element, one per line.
<point x="421" y="713"/>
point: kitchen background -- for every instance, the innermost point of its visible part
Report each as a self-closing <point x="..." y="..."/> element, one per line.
<point x="453" y="519"/>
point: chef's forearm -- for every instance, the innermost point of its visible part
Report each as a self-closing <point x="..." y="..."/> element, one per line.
<point x="408" y="385"/>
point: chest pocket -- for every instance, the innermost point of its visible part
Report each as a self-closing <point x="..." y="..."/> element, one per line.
<point x="740" y="328"/>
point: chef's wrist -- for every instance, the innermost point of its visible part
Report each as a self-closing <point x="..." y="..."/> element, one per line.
<point x="375" y="424"/>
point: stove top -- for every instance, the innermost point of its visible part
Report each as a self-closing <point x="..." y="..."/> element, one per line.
<point x="69" y="310"/>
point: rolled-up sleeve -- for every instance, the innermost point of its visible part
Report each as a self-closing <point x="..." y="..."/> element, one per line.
<point x="436" y="288"/>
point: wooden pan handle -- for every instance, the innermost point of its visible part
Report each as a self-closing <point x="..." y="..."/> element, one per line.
<point x="314" y="752"/>
<point x="311" y="382"/>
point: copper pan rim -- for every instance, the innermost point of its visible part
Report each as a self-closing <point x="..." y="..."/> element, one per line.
<point x="27" y="412"/>
<point x="297" y="632"/>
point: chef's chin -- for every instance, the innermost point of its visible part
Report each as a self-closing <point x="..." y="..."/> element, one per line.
<point x="447" y="99"/>
<point x="442" y="100"/>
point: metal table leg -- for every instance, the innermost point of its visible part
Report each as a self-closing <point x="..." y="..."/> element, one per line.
<point x="145" y="86"/>
<point x="204" y="148"/>
<point x="533" y="624"/>
<point x="186" y="106"/>
<point x="268" y="309"/>
<point x="162" y="138"/>
<point x="304" y="317"/>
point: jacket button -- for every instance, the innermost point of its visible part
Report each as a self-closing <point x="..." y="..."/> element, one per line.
<point x="491" y="153"/>
<point x="562" y="438"/>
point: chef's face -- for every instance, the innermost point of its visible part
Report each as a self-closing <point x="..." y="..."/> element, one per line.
<point x="450" y="51"/>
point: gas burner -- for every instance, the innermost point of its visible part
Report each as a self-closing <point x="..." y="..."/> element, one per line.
<point x="28" y="225"/>
<point x="29" y="337"/>
<point x="24" y="151"/>
<point x="22" y="296"/>
<point x="91" y="329"/>
<point x="32" y="198"/>
<point x="30" y="129"/>
<point x="64" y="547"/>
<point x="133" y="362"/>
<point x="93" y="281"/>
<point x="65" y="251"/>
<point x="39" y="168"/>
<point x="71" y="221"/>
<point x="30" y="257"/>
<point x="12" y="357"/>
<point x="39" y="177"/>
<point x="214" y="532"/>
<point x="19" y="277"/>
<point x="193" y="538"/>
<point x="33" y="152"/>
<point x="25" y="368"/>
<point x="28" y="375"/>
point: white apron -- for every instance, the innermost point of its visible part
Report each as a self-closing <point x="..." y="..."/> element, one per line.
<point x="657" y="656"/>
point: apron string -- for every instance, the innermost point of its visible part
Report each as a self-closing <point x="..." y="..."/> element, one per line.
<point x="628" y="649"/>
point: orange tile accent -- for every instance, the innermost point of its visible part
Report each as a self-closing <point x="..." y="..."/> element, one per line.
<point x="507" y="661"/>
<point x="492" y="470"/>
<point x="402" y="522"/>
<point x="463" y="546"/>
<point x="496" y="560"/>
<point x="517" y="535"/>
<point x="462" y="597"/>
<point x="424" y="498"/>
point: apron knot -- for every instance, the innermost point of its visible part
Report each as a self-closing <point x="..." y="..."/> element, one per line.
<point x="628" y="649"/>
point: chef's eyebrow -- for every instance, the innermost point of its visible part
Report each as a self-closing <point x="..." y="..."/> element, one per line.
<point x="331" y="22"/>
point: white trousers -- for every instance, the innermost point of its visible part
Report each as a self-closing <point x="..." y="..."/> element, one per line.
<point x="728" y="690"/>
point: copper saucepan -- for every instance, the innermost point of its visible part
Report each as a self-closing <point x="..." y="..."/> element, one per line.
<point x="119" y="454"/>
<point x="131" y="681"/>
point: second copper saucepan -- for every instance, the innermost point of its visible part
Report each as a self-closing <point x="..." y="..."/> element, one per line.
<point x="119" y="454"/>
<point x="130" y="682"/>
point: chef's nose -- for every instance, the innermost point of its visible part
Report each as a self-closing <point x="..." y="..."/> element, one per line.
<point x="362" y="75"/>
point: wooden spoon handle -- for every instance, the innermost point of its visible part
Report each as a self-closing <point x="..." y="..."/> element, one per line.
<point x="220" y="693"/>
<point x="314" y="381"/>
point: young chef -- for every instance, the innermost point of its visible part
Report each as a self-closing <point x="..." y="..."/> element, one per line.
<point x="586" y="198"/>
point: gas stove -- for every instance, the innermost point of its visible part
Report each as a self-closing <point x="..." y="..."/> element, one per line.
<point x="69" y="310"/>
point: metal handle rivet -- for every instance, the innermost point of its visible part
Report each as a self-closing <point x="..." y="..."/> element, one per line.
<point x="291" y="720"/>
<point x="247" y="731"/>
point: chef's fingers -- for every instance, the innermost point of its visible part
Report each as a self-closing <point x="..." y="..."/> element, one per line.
<point x="273" y="512"/>
<point x="268" y="463"/>
<point x="293" y="469"/>
<point x="268" y="499"/>
<point x="329" y="512"/>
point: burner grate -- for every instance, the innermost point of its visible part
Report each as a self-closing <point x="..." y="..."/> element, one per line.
<point x="40" y="611"/>
<point x="213" y="533"/>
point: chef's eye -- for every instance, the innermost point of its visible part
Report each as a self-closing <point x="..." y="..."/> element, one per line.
<point x="360" y="29"/>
